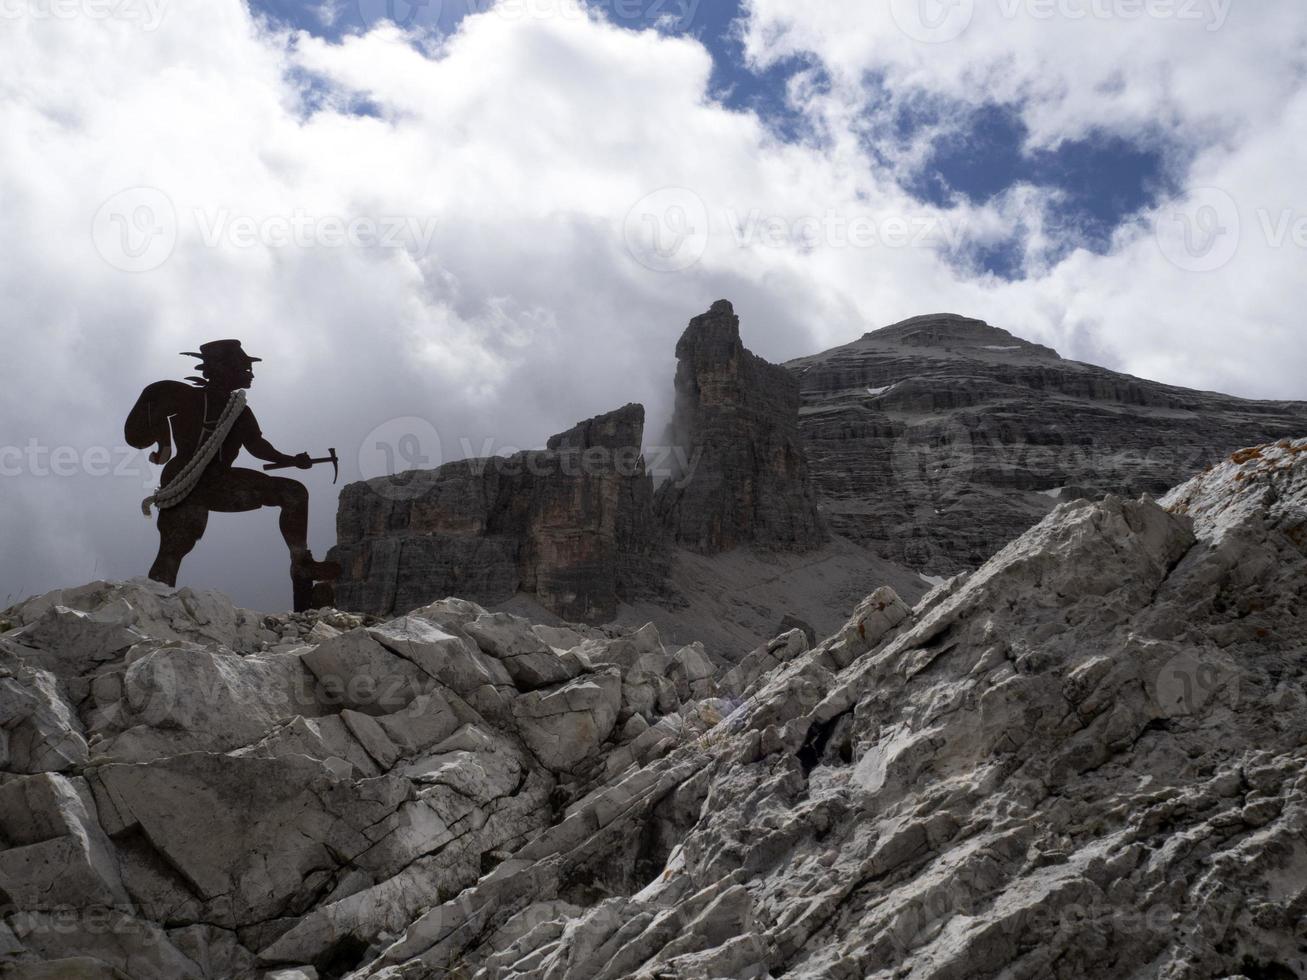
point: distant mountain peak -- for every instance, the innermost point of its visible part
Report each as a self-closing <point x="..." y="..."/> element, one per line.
<point x="949" y="331"/>
<point x="934" y="441"/>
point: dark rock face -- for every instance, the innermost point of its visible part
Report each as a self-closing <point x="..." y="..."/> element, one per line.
<point x="571" y="526"/>
<point x="577" y="526"/>
<point x="937" y="440"/>
<point x="618" y="432"/>
<point x="735" y="426"/>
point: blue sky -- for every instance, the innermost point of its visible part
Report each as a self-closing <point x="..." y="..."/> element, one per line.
<point x="1100" y="181"/>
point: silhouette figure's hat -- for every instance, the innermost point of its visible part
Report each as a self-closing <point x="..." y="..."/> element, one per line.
<point x="218" y="350"/>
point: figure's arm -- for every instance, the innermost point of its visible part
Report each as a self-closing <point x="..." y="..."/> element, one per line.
<point x="260" y="448"/>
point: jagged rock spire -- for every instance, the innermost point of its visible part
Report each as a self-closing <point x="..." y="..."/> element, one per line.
<point x="744" y="478"/>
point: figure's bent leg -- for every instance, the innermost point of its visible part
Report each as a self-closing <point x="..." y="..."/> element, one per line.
<point x="242" y="490"/>
<point x="180" y="528"/>
<point x="293" y="499"/>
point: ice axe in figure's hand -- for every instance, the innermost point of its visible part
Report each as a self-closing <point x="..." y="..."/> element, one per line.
<point x="296" y="464"/>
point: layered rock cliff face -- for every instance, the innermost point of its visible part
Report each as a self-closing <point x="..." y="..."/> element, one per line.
<point x="934" y="441"/>
<point x="577" y="529"/>
<point x="1085" y="759"/>
<point x="572" y="526"/>
<point x="735" y="423"/>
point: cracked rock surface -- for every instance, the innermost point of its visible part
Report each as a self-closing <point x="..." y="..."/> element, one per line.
<point x="191" y="790"/>
<point x="1088" y="758"/>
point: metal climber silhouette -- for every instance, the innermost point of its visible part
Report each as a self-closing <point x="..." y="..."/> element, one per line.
<point x="210" y="424"/>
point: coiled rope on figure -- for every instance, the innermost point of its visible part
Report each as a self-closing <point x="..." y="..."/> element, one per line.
<point x="184" y="482"/>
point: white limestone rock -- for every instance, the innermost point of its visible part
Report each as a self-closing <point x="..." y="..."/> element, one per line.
<point x="1085" y="759"/>
<point x="39" y="731"/>
<point x="639" y="650"/>
<point x="530" y="661"/>
<point x="566" y="724"/>
<point x="692" y="672"/>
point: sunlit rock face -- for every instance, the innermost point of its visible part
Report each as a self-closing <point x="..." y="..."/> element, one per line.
<point x="571" y="526"/>
<point x="745" y="480"/>
<point x="937" y="440"/>
<point x="194" y="790"/>
<point x="1085" y="759"/>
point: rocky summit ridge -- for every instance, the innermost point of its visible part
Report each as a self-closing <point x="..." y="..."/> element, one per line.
<point x="933" y="442"/>
<point x="1087" y="758"/>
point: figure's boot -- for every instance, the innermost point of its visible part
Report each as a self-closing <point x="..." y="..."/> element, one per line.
<point x="304" y="571"/>
<point x="301" y="592"/>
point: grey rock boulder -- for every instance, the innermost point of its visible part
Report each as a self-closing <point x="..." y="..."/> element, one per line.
<point x="564" y="725"/>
